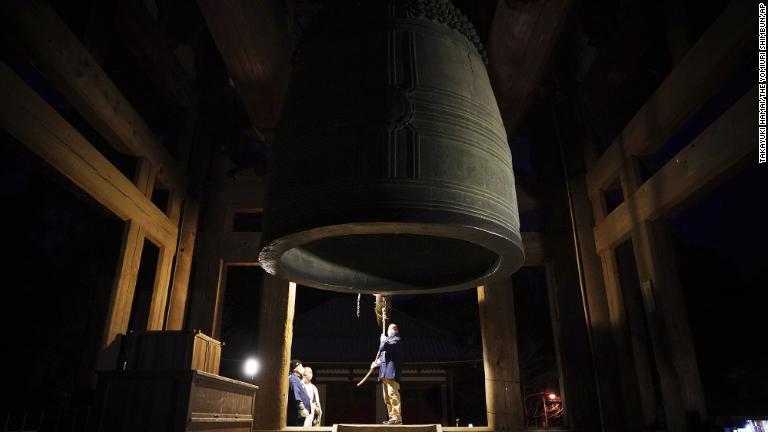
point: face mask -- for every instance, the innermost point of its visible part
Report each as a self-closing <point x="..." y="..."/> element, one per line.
<point x="390" y="333"/>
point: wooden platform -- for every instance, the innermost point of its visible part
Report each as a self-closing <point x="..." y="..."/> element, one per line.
<point x="387" y="428"/>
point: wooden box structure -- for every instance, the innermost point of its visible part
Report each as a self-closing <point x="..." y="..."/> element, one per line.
<point x="172" y="401"/>
<point x="169" y="350"/>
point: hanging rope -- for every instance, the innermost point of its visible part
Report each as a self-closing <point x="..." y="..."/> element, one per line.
<point x="383" y="309"/>
<point x="358" y="305"/>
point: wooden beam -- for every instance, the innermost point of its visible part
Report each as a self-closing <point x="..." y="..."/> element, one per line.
<point x="39" y="127"/>
<point x="253" y="40"/>
<point x="699" y="76"/>
<point x="71" y="68"/>
<point x="723" y="145"/>
<point x="520" y="44"/>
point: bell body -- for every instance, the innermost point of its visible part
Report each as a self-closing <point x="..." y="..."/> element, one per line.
<point x="391" y="171"/>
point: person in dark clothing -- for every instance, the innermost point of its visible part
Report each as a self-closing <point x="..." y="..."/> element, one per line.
<point x="390" y="363"/>
<point x="298" y="400"/>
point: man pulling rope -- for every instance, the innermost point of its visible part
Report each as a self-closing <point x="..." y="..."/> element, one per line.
<point x="389" y="360"/>
<point x="390" y="364"/>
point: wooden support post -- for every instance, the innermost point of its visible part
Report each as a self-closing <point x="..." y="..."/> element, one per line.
<point x="217" y="246"/>
<point x="163" y="272"/>
<point x="636" y="383"/>
<point x="156" y="320"/>
<point x="669" y="301"/>
<point x="569" y="331"/>
<point x="569" y="323"/>
<point x="123" y="288"/>
<point x="192" y="147"/>
<point x="637" y="379"/>
<point x="620" y="408"/>
<point x="124" y="285"/>
<point x="175" y="204"/>
<point x="500" y="359"/>
<point x="207" y="295"/>
<point x="667" y="318"/>
<point x="275" y="336"/>
<point x="181" y="274"/>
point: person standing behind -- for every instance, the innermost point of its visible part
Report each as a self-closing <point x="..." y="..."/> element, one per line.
<point x="298" y="400"/>
<point x="313" y="419"/>
<point x="390" y="363"/>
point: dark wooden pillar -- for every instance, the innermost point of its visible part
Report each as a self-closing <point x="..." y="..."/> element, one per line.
<point x="182" y="272"/>
<point x="503" y="398"/>
<point x="620" y="408"/>
<point x="666" y="315"/>
<point x="275" y="336"/>
<point x="124" y="284"/>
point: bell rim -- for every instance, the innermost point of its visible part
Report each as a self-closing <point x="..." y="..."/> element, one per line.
<point x="509" y="250"/>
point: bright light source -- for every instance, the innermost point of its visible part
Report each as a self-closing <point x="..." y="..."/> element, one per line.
<point x="552" y="396"/>
<point x="251" y="367"/>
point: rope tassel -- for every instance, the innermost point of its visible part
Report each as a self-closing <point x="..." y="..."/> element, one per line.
<point x="383" y="308"/>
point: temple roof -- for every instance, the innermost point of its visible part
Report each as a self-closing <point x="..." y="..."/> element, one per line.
<point x="332" y="333"/>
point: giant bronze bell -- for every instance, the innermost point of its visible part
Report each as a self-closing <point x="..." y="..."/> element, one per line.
<point x="390" y="172"/>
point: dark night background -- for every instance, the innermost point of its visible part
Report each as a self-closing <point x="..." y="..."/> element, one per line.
<point x="60" y="247"/>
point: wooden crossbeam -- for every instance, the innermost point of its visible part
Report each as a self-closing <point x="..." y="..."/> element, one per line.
<point x="71" y="68"/>
<point x="38" y="126"/>
<point x="695" y="80"/>
<point x="520" y="44"/>
<point x="723" y="145"/>
<point x="253" y="40"/>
